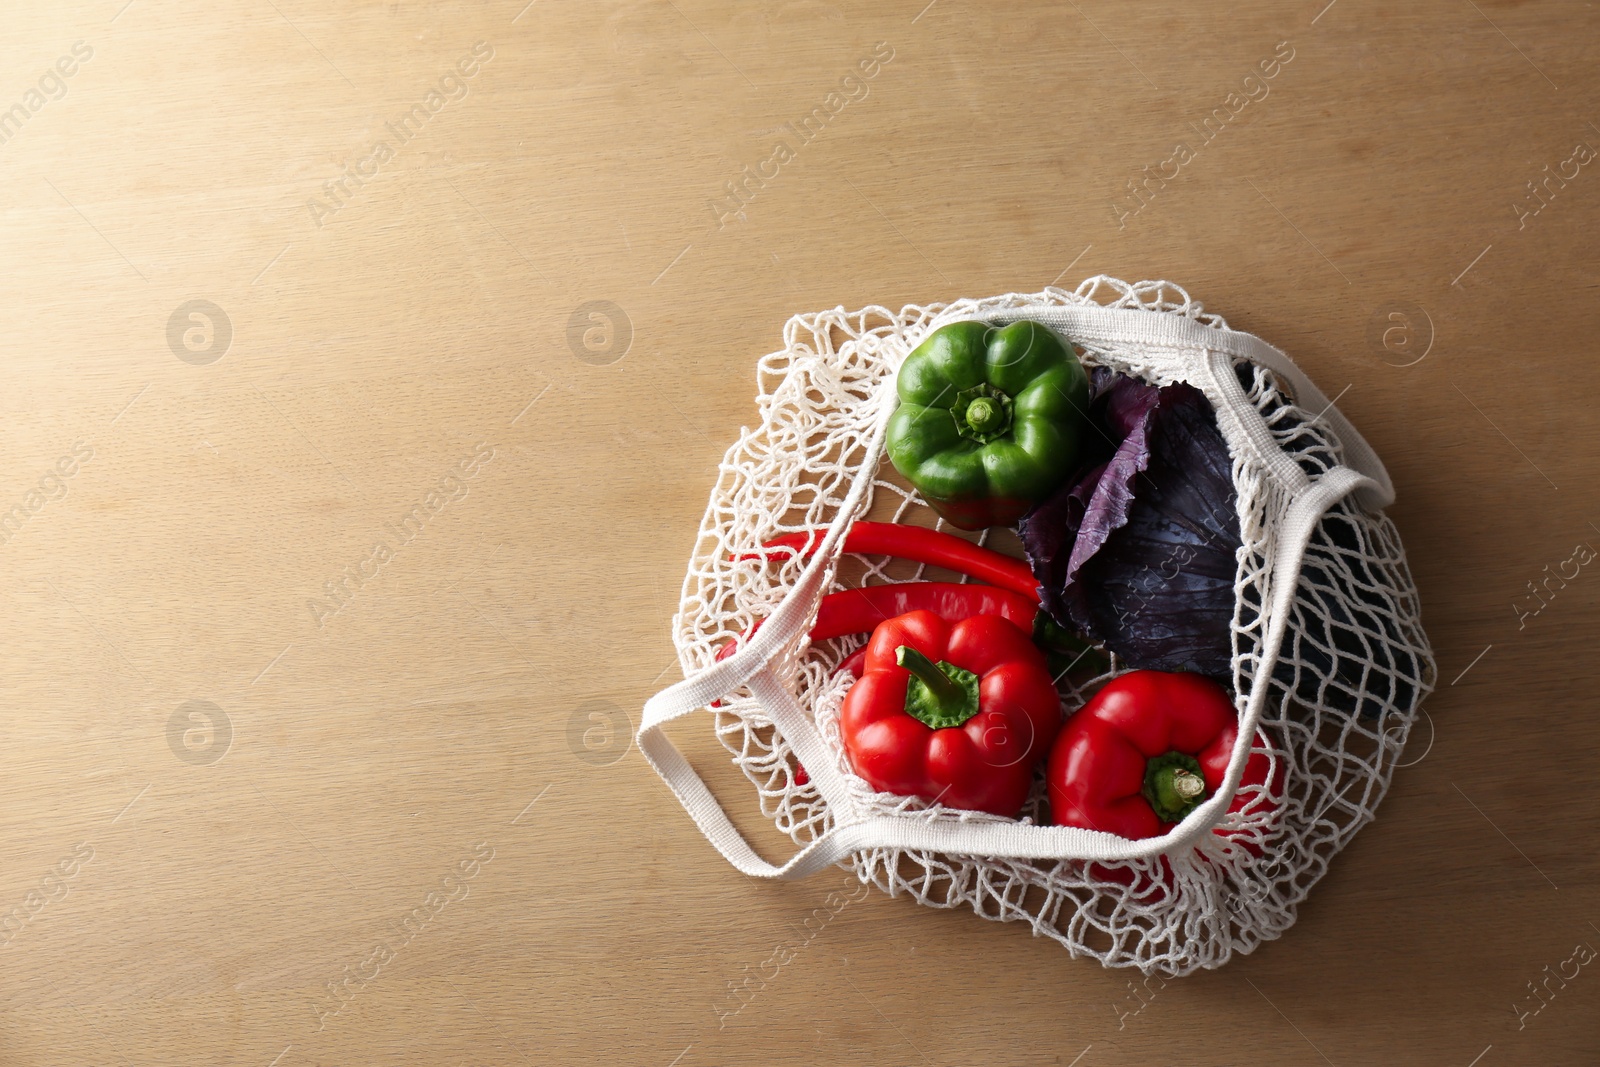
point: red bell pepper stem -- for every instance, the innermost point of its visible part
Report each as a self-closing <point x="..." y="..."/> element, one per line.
<point x="1174" y="785"/>
<point x="1187" y="785"/>
<point x="945" y="691"/>
<point x="941" y="700"/>
<point x="920" y="545"/>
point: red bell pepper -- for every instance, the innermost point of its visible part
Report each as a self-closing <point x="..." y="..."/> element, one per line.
<point x="1148" y="749"/>
<point x="958" y="713"/>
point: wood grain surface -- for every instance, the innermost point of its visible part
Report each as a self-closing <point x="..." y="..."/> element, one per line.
<point x="484" y="284"/>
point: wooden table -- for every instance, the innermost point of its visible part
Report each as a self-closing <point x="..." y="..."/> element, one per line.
<point x="289" y="281"/>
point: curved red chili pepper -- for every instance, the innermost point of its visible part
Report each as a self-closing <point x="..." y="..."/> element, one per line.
<point x="920" y="545"/>
<point x="854" y="611"/>
<point x="854" y="663"/>
<point x="859" y="611"/>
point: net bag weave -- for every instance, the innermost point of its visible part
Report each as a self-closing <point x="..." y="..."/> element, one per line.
<point x="1329" y="660"/>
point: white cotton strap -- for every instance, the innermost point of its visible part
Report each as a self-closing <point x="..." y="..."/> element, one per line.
<point x="1299" y="523"/>
<point x="751" y="665"/>
<point x="792" y="616"/>
<point x="829" y="848"/>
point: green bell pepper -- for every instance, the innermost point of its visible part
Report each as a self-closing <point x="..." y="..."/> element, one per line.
<point x="989" y="420"/>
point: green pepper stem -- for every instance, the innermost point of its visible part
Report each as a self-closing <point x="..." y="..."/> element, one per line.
<point x="946" y="691"/>
<point x="983" y="415"/>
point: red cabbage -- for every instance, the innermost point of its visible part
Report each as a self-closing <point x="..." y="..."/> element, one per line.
<point x="1139" y="553"/>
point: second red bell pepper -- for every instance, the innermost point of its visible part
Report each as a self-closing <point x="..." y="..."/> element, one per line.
<point x="1148" y="749"/>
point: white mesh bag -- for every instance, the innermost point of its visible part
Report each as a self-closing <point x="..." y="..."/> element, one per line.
<point x="1330" y="661"/>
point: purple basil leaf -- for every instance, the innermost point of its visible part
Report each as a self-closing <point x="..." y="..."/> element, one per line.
<point x="1048" y="533"/>
<point x="1050" y="529"/>
<point x="1128" y="403"/>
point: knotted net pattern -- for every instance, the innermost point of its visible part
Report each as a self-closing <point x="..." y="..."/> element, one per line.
<point x="1351" y="670"/>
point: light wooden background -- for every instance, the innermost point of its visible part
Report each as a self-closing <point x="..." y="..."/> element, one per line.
<point x="186" y="883"/>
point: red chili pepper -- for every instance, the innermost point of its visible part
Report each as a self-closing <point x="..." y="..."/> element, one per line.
<point x="859" y="611"/>
<point x="853" y="611"/>
<point x="1148" y="749"/>
<point x="954" y="712"/>
<point x="854" y="663"/>
<point x="920" y="545"/>
<point x="856" y="611"/>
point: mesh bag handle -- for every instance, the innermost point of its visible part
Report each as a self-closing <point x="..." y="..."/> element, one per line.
<point x="1124" y="326"/>
<point x="1198" y="353"/>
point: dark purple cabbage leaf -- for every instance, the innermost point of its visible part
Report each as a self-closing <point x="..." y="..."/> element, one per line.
<point x="1139" y="552"/>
